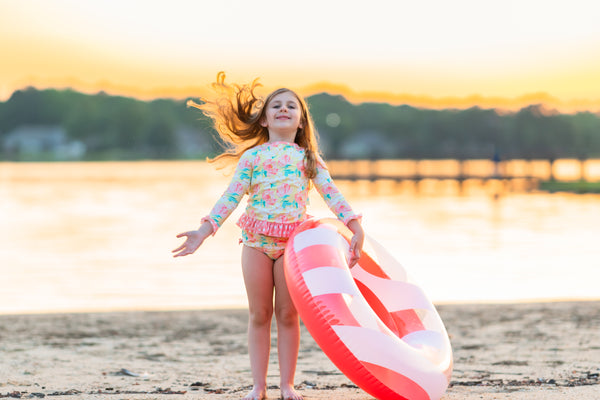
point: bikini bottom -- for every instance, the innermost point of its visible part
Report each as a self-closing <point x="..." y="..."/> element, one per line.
<point x="272" y="246"/>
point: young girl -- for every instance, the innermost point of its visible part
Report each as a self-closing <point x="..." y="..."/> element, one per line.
<point x="277" y="155"/>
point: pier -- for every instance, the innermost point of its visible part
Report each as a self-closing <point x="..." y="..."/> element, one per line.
<point x="524" y="174"/>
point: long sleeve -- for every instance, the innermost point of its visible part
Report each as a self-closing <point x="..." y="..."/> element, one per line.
<point x="239" y="185"/>
<point x="332" y="196"/>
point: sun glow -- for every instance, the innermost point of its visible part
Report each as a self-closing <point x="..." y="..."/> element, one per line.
<point x="491" y="54"/>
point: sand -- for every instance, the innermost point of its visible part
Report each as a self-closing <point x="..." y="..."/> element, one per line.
<point x="509" y="351"/>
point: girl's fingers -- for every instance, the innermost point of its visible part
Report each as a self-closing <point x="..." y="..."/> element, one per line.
<point x="354" y="251"/>
<point x="184" y="252"/>
<point x="193" y="240"/>
<point x="179" y="248"/>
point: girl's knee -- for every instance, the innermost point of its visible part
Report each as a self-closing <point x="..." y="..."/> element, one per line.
<point x="261" y="316"/>
<point x="287" y="316"/>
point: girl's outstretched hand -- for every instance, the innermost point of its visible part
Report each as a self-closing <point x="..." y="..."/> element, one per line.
<point x="356" y="244"/>
<point x="193" y="240"/>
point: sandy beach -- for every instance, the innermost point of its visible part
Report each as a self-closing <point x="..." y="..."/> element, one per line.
<point x="508" y="351"/>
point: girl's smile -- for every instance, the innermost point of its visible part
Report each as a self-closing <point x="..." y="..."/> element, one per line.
<point x="282" y="117"/>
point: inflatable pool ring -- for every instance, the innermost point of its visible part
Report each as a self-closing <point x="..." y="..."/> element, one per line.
<point x="373" y="322"/>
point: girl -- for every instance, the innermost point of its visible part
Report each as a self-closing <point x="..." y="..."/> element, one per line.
<point x="277" y="155"/>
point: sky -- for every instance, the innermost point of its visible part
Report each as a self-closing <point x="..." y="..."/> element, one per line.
<point x="459" y="53"/>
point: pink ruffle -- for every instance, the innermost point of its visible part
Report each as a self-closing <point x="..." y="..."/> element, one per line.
<point x="349" y="218"/>
<point x="213" y="223"/>
<point x="275" y="229"/>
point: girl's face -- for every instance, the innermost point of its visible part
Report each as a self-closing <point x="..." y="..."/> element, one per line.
<point x="282" y="116"/>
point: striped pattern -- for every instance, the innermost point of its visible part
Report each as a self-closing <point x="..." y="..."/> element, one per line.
<point x="376" y="325"/>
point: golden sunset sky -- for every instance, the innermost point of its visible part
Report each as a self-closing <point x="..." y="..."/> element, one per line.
<point x="459" y="53"/>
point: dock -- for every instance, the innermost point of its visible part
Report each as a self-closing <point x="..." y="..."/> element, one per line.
<point x="525" y="174"/>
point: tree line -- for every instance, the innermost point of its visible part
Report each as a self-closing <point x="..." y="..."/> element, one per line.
<point x="117" y="127"/>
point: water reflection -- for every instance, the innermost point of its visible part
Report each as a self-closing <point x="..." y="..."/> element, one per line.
<point x="89" y="236"/>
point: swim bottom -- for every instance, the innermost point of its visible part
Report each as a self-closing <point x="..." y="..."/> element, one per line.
<point x="272" y="246"/>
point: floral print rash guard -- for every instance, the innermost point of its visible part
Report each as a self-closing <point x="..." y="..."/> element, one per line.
<point x="273" y="176"/>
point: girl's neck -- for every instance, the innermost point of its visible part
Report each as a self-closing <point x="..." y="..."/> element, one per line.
<point x="281" y="138"/>
<point x="280" y="141"/>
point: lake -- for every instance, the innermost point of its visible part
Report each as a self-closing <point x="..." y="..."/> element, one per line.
<point x="98" y="236"/>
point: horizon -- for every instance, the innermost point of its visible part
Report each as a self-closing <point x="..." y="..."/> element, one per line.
<point x="500" y="105"/>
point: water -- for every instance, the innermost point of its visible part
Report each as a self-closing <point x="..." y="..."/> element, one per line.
<point x="98" y="236"/>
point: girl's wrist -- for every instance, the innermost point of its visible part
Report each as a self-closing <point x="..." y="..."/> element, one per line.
<point x="355" y="226"/>
<point x="206" y="228"/>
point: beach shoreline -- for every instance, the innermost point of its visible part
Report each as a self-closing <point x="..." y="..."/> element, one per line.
<point x="546" y="350"/>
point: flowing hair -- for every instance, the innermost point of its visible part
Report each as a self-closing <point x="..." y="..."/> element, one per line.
<point x="237" y="114"/>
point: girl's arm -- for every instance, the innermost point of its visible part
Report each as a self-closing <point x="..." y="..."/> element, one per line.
<point x="239" y="185"/>
<point x="332" y="196"/>
<point x="342" y="210"/>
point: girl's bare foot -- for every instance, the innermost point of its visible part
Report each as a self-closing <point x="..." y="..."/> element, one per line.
<point x="289" y="393"/>
<point x="256" y="394"/>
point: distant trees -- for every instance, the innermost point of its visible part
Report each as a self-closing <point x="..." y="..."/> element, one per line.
<point x="408" y="132"/>
<point x="115" y="127"/>
<point x="111" y="127"/>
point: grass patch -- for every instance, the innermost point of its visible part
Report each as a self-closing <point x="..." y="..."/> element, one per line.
<point x="573" y="187"/>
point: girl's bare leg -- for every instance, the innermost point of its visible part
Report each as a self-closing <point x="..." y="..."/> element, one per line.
<point x="288" y="333"/>
<point x="258" y="277"/>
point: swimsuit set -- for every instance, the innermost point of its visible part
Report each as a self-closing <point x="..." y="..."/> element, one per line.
<point x="273" y="176"/>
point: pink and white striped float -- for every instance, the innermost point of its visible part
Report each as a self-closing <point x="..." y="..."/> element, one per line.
<point x="374" y="323"/>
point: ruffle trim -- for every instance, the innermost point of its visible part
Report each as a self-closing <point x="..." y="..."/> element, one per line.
<point x="268" y="228"/>
<point x="212" y="222"/>
<point x="350" y="217"/>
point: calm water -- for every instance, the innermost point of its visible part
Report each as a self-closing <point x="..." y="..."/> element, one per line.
<point x="98" y="236"/>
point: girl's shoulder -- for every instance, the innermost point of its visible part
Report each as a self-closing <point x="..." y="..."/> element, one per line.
<point x="321" y="162"/>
